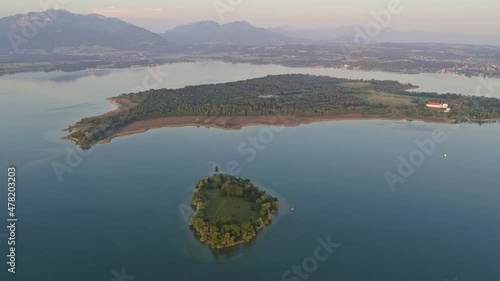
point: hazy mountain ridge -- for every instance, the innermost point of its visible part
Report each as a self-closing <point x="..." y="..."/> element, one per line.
<point x="236" y="33"/>
<point x="61" y="40"/>
<point x="61" y="29"/>
<point x="348" y="34"/>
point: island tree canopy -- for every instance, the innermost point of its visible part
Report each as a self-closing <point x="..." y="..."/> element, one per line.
<point x="230" y="210"/>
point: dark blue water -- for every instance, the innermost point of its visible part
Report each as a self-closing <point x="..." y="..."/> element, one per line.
<point x="125" y="205"/>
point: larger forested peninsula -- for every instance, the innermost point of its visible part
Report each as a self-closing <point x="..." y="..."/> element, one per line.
<point x="276" y="100"/>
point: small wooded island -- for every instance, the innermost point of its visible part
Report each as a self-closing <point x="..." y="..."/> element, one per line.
<point x="279" y="100"/>
<point x="230" y="210"/>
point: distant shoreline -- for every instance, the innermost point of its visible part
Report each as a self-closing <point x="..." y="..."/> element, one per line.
<point x="131" y="65"/>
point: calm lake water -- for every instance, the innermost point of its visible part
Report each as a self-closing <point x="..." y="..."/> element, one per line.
<point x="124" y="205"/>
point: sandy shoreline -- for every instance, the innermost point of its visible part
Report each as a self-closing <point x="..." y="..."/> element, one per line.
<point x="238" y="122"/>
<point x="122" y="103"/>
<point x="233" y="122"/>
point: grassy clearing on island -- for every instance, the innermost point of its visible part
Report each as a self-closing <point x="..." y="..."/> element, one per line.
<point x="219" y="206"/>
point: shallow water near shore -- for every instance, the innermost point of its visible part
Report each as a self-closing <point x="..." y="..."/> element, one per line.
<point x="125" y="204"/>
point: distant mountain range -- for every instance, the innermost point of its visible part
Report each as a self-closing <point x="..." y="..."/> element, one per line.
<point x="347" y="34"/>
<point x="53" y="29"/>
<point x="235" y="33"/>
<point x="62" y="32"/>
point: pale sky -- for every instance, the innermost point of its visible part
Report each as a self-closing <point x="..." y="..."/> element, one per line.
<point x="462" y="16"/>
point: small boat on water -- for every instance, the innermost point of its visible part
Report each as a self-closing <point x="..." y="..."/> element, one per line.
<point x="292" y="208"/>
